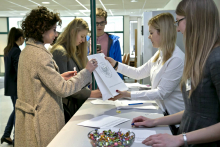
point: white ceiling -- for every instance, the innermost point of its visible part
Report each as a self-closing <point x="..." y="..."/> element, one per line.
<point x="10" y="8"/>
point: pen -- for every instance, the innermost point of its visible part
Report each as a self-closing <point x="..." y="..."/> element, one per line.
<point x="74" y="69"/>
<point x="136" y="104"/>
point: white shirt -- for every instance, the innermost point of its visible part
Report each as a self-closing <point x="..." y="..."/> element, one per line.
<point x="165" y="80"/>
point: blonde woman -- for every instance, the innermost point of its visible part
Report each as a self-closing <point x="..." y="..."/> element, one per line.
<point x="198" y="20"/>
<point x="69" y="52"/>
<point x="165" y="68"/>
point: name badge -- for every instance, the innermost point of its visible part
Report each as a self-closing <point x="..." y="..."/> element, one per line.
<point x="188" y="84"/>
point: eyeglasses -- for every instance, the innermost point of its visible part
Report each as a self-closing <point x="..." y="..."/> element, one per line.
<point x="178" y="22"/>
<point x="101" y="23"/>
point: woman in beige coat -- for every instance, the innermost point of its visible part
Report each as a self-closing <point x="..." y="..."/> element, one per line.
<point x="39" y="111"/>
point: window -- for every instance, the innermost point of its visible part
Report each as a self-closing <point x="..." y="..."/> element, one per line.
<point x="133" y="26"/>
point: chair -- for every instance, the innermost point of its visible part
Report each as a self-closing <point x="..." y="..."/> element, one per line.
<point x="127" y="59"/>
<point x="124" y="58"/>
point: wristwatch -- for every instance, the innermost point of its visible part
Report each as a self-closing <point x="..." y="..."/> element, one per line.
<point x="116" y="65"/>
<point x="185" y="140"/>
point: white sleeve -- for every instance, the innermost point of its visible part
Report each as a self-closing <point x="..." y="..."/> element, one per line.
<point x="168" y="83"/>
<point x="133" y="72"/>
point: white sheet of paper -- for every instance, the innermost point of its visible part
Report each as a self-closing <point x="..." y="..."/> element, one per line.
<point x="101" y="102"/>
<point x="103" y="121"/>
<point x="141" y="135"/>
<point x="124" y="105"/>
<point x="107" y="78"/>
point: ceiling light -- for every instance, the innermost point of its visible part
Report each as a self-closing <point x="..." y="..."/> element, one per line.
<point x="83" y="12"/>
<point x="46" y="3"/>
<point x="18" y="5"/>
<point x="34" y="2"/>
<point x="76" y="13"/>
<point x="102" y="4"/>
<point x="22" y="13"/>
<point x="134" y="1"/>
<point x="81" y="5"/>
<point x="111" y="12"/>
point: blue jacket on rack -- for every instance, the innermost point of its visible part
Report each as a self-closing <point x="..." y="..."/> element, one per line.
<point x="114" y="49"/>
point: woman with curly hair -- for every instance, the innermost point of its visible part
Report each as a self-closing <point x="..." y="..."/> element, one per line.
<point x="39" y="110"/>
<point x="70" y="51"/>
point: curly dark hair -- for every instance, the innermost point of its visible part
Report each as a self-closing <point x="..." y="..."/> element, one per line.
<point x="39" y="21"/>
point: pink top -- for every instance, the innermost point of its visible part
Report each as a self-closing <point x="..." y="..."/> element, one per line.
<point x="103" y="40"/>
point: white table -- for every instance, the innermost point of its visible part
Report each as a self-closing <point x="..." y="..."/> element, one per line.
<point x="73" y="135"/>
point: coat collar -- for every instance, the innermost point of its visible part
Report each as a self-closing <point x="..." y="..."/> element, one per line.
<point x="37" y="44"/>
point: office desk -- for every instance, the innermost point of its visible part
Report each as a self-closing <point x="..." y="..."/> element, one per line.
<point x="73" y="135"/>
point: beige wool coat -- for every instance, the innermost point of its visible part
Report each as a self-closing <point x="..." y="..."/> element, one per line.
<point x="39" y="110"/>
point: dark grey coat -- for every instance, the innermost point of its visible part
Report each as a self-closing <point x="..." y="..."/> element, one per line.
<point x="65" y="64"/>
<point x="11" y="70"/>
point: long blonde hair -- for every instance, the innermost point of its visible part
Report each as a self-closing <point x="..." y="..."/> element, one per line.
<point x="202" y="34"/>
<point x="164" y="24"/>
<point x="68" y="39"/>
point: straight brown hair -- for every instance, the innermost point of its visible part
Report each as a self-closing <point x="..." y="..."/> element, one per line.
<point x="13" y="36"/>
<point x="201" y="36"/>
<point x="68" y="39"/>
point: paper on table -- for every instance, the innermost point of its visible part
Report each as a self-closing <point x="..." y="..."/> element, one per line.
<point x="107" y="78"/>
<point x="103" y="121"/>
<point x="141" y="135"/>
<point x="124" y="105"/>
<point x="106" y="102"/>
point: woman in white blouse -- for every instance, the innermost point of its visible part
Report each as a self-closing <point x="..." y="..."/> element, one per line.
<point x="165" y="68"/>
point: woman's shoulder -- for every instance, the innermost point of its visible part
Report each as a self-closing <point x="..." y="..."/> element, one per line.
<point x="59" y="49"/>
<point x="178" y="53"/>
<point x="214" y="56"/>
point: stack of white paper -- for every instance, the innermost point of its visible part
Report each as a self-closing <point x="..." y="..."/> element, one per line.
<point x="101" y="102"/>
<point x="103" y="121"/>
<point x="107" y="78"/>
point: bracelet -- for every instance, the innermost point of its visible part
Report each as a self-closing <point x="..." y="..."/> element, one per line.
<point x="185" y="140"/>
<point x="116" y="65"/>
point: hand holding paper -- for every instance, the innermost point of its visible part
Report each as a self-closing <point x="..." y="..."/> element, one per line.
<point x="111" y="61"/>
<point x="91" y="65"/>
<point x="122" y="94"/>
<point x="106" y="77"/>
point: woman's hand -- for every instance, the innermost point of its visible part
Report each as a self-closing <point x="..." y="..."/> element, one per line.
<point x="111" y="61"/>
<point x="122" y="94"/>
<point x="69" y="74"/>
<point x="91" y="65"/>
<point x="143" y="121"/>
<point x="164" y="140"/>
<point x="96" y="94"/>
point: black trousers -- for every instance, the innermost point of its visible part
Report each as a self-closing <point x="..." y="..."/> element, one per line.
<point x="173" y="128"/>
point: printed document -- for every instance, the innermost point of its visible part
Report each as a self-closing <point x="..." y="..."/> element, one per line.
<point x="107" y="78"/>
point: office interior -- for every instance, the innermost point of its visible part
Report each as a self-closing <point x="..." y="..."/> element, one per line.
<point x="126" y="19"/>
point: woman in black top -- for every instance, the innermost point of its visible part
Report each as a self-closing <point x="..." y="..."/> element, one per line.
<point x="198" y="20"/>
<point x="11" y="56"/>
